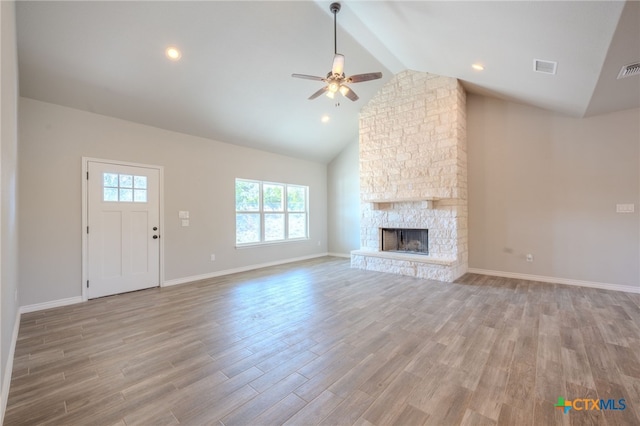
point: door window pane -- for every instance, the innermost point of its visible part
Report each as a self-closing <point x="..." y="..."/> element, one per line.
<point x="126" y="181"/>
<point x="126" y="194"/>
<point x="140" y="182"/>
<point x="110" y="194"/>
<point x="140" y="195"/>
<point x="110" y="180"/>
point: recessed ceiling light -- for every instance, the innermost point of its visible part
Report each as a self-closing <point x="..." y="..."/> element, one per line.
<point x="325" y="118"/>
<point x="173" y="53"/>
<point x="477" y="67"/>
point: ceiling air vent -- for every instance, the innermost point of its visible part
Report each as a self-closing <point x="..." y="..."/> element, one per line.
<point x="629" y="70"/>
<point x="544" y="67"/>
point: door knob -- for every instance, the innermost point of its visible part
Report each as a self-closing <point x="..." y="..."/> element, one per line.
<point x="155" y="228"/>
<point x="155" y="237"/>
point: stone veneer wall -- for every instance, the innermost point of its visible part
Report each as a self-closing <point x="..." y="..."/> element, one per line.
<point x="412" y="150"/>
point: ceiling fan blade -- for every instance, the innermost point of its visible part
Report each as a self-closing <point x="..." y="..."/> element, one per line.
<point x="338" y="64"/>
<point x="364" y="77"/>
<point x="319" y="92"/>
<point x="308" y="77"/>
<point x="348" y="93"/>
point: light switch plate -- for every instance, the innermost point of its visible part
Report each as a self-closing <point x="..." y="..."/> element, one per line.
<point x="183" y="214"/>
<point x="185" y="222"/>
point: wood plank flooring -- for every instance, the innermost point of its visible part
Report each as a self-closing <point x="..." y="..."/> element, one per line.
<point x="316" y="342"/>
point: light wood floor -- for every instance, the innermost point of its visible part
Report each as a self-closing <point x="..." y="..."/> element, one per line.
<point x="316" y="342"/>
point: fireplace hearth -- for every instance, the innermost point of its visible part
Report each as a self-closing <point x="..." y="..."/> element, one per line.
<point x="402" y="240"/>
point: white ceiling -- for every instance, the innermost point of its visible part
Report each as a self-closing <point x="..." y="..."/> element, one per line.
<point x="233" y="83"/>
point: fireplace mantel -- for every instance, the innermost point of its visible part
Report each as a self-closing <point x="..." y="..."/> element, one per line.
<point x="424" y="202"/>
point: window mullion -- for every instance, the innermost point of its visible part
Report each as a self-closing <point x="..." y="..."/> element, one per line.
<point x="285" y="205"/>
<point x="261" y="203"/>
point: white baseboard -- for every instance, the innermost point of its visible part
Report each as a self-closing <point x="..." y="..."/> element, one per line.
<point x="52" y="304"/>
<point x="8" y="369"/>
<point x="554" y="280"/>
<point x="78" y="299"/>
<point x="216" y="274"/>
<point x="345" y="255"/>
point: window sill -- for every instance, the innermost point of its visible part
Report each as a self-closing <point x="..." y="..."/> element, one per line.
<point x="270" y="243"/>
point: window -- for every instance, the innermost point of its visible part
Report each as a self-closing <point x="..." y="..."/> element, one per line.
<point x="269" y="212"/>
<point x="124" y="188"/>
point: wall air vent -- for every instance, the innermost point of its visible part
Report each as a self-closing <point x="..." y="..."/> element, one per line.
<point x="544" y="67"/>
<point x="629" y="70"/>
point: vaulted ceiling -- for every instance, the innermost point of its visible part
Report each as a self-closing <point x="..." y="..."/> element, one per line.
<point x="233" y="82"/>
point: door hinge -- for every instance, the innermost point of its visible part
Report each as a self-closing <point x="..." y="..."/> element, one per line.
<point x="87" y="229"/>
<point x="87" y="283"/>
<point x="87" y="175"/>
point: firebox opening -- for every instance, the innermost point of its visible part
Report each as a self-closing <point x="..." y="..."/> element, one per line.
<point x="400" y="240"/>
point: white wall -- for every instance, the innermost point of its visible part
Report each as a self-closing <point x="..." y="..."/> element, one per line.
<point x="539" y="183"/>
<point x="8" y="187"/>
<point x="199" y="177"/>
<point x="344" y="201"/>
<point x="546" y="184"/>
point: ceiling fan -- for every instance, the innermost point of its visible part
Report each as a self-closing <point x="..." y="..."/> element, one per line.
<point x="335" y="79"/>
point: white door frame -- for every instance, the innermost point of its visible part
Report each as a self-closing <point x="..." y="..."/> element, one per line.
<point x="85" y="216"/>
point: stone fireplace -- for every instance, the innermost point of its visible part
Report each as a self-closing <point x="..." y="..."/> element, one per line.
<point x="413" y="175"/>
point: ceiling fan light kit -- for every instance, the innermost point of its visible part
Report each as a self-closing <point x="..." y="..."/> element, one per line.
<point x="335" y="79"/>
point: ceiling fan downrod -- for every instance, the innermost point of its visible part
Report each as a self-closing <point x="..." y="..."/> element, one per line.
<point x="335" y="8"/>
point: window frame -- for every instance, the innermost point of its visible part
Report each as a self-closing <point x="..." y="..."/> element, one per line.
<point x="262" y="212"/>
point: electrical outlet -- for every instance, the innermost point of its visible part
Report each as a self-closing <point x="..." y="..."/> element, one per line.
<point x="625" y="208"/>
<point x="213" y="257"/>
<point x="529" y="257"/>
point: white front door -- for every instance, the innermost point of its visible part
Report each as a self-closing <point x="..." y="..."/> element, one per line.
<point x="123" y="217"/>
